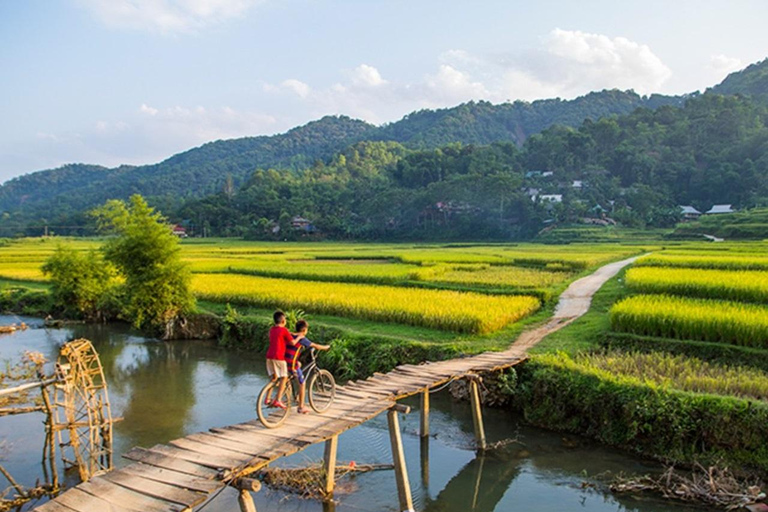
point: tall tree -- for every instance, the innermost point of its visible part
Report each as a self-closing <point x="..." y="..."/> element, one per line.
<point x="147" y="255"/>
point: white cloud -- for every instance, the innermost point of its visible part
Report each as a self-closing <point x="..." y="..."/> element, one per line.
<point x="566" y="65"/>
<point x="183" y="127"/>
<point x="722" y="65"/>
<point x="146" y="109"/>
<point x="298" y="87"/>
<point x="451" y="84"/>
<point x="366" y="75"/>
<point x="166" y="16"/>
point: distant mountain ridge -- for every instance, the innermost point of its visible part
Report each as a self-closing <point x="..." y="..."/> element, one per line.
<point x="203" y="170"/>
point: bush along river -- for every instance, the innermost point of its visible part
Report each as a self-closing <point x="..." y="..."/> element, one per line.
<point x="165" y="390"/>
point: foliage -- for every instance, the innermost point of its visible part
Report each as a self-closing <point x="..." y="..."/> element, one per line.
<point x="623" y="411"/>
<point x="82" y="284"/>
<point x="739" y="285"/>
<point x="147" y="255"/>
<point x="448" y="310"/>
<point x="746" y="224"/>
<point x="696" y="319"/>
<point x="25" y="301"/>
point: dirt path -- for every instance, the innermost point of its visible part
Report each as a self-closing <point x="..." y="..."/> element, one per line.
<point x="573" y="303"/>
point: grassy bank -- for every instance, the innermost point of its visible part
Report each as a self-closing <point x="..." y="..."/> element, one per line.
<point x="677" y="400"/>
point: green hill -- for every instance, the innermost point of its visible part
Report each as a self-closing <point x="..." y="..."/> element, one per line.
<point x="752" y="81"/>
<point x="203" y="170"/>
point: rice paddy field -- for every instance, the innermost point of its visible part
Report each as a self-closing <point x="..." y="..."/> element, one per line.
<point x="478" y="295"/>
<point x="694" y="309"/>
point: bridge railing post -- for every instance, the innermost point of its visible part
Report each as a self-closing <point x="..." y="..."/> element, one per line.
<point x="477" y="412"/>
<point x="398" y="458"/>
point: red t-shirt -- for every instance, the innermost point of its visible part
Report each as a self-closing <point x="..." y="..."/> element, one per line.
<point x="278" y="338"/>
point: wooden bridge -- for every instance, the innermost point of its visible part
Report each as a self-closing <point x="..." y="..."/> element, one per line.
<point x="186" y="472"/>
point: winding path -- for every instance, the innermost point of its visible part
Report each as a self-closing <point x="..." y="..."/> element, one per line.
<point x="186" y="472"/>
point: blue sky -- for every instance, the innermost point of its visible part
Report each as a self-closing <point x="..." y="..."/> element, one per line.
<point x="135" y="81"/>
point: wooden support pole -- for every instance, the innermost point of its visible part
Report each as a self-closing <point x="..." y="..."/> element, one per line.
<point x="477" y="414"/>
<point x="424" y="448"/>
<point x="329" y="464"/>
<point x="246" y="501"/>
<point x="398" y="458"/>
<point x="424" y="430"/>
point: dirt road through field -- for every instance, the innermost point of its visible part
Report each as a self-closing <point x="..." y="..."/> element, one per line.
<point x="572" y="304"/>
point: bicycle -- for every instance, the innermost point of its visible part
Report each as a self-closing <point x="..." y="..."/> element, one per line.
<point x="321" y="391"/>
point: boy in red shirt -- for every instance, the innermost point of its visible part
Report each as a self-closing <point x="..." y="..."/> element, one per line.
<point x="277" y="368"/>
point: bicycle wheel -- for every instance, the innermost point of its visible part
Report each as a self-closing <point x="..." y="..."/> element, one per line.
<point x="270" y="416"/>
<point x="322" y="390"/>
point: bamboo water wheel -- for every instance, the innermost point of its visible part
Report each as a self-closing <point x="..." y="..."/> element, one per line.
<point x="82" y="418"/>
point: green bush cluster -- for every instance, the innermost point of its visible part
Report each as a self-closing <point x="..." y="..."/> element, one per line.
<point x="620" y="411"/>
<point x="350" y="357"/>
<point x="24" y="301"/>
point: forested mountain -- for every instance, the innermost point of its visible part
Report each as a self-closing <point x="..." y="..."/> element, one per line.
<point x="192" y="173"/>
<point x="203" y="170"/>
<point x="484" y="123"/>
<point x="635" y="169"/>
<point x="695" y="149"/>
<point x="752" y="81"/>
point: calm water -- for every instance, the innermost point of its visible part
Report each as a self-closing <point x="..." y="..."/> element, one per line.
<point x="167" y="390"/>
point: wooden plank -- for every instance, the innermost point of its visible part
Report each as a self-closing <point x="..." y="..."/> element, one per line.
<point x="220" y="442"/>
<point x="176" y="464"/>
<point x="211" y="461"/>
<point x="206" y="449"/>
<point x="246" y="437"/>
<point x="155" y="489"/>
<point x="54" y="506"/>
<point x="81" y="501"/>
<point x="123" y="497"/>
<point x="170" y="477"/>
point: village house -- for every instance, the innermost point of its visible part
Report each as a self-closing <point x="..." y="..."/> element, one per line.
<point x="180" y="231"/>
<point x="720" y="208"/>
<point x="302" y="224"/>
<point x="689" y="213"/>
<point x="551" y="198"/>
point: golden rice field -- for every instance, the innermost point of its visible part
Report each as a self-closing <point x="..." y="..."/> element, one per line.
<point x="722" y="260"/>
<point x="495" y="275"/>
<point x="667" y="371"/>
<point x="738" y="285"/>
<point x="461" y="312"/>
<point x="23" y="271"/>
<point x="696" y="319"/>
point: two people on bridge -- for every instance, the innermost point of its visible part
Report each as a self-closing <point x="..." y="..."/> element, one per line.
<point x="283" y="358"/>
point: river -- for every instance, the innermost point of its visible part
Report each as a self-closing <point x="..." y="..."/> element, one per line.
<point x="168" y="390"/>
